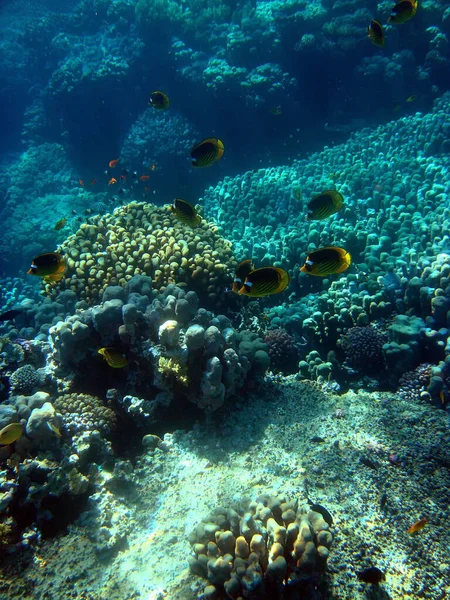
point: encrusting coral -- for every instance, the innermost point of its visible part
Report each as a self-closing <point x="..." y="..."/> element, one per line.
<point x="141" y="238"/>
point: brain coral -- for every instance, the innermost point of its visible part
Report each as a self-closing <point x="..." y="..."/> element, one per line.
<point x="141" y="238"/>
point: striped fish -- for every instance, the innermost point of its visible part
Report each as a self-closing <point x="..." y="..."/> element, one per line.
<point x="376" y="34"/>
<point x="207" y="152"/>
<point x="265" y="282"/>
<point x="403" y="11"/>
<point x="185" y="212"/>
<point x="327" y="261"/>
<point x="51" y="264"/>
<point x="324" y="205"/>
<point x="114" y="358"/>
<point x="10" y="434"/>
<point x="242" y="270"/>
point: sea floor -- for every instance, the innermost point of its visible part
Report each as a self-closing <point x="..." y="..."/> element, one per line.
<point x="289" y="439"/>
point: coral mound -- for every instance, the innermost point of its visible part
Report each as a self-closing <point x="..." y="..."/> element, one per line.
<point x="275" y="549"/>
<point x="283" y="351"/>
<point x="363" y="347"/>
<point x="141" y="238"/>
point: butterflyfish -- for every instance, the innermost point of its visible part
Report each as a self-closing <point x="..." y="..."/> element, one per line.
<point x="242" y="270"/>
<point x="327" y="261"/>
<point x="324" y="205"/>
<point x="403" y="11"/>
<point x="10" y="434"/>
<point x="49" y="266"/>
<point x="417" y="526"/>
<point x="376" y="33"/>
<point x="207" y="152"/>
<point x="159" y="100"/>
<point x="185" y="212"/>
<point x="265" y="281"/>
<point x="114" y="358"/>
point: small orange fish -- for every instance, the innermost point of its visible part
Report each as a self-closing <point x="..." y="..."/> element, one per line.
<point x="113" y="163"/>
<point x="93" y="182"/>
<point x="420" y="524"/>
<point x="112" y="181"/>
<point x="144" y="177"/>
<point x="81" y="182"/>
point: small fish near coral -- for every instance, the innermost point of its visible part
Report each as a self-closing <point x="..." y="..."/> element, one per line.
<point x="327" y="261"/>
<point x="159" y="100"/>
<point x="418" y="526"/>
<point x="60" y="224"/>
<point x="265" y="281"/>
<point x="114" y="358"/>
<point x="50" y="266"/>
<point x="242" y="270"/>
<point x="10" y="434"/>
<point x="185" y="212"/>
<point x="113" y="163"/>
<point x="376" y="33"/>
<point x="207" y="152"/>
<point x="371" y="575"/>
<point x="324" y="205"/>
<point x="403" y="11"/>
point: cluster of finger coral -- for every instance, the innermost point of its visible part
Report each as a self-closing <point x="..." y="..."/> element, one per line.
<point x="141" y="238"/>
<point x="394" y="223"/>
<point x="274" y="549"/>
<point x="176" y="352"/>
<point x="84" y="412"/>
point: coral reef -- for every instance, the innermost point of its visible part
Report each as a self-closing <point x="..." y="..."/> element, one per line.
<point x="274" y="549"/>
<point x="282" y="350"/>
<point x="140" y="238"/>
<point x="363" y="349"/>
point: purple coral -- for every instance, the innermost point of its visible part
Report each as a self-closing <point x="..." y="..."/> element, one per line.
<point x="283" y="351"/>
<point x="363" y="348"/>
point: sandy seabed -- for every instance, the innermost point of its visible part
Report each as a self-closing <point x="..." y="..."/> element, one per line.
<point x="291" y="439"/>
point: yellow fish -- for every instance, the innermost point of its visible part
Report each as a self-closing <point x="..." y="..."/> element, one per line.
<point x="114" y="358"/>
<point x="10" y="434"/>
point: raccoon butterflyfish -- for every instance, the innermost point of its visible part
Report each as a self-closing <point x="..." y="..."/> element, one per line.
<point x="185" y="212"/>
<point x="114" y="358"/>
<point x="376" y="33"/>
<point x="10" y="434"/>
<point x="242" y="270"/>
<point x="371" y="575"/>
<point x="159" y="100"/>
<point x="327" y="261"/>
<point x="403" y="11"/>
<point x="60" y="224"/>
<point x="324" y="205"/>
<point x="420" y="524"/>
<point x="207" y="152"/>
<point x="265" y="281"/>
<point x="49" y="266"/>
